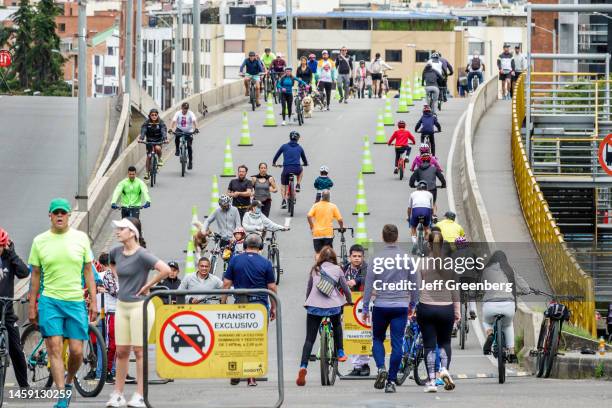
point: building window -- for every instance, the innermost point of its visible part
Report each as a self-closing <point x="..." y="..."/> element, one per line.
<point x="109" y="71"/>
<point x="61" y="27"/>
<point x="110" y="51"/>
<point x="477" y="46"/>
<point x="356" y="24"/>
<point x="109" y="90"/>
<point x="231" y="72"/>
<point x="233" y="46"/>
<point x="150" y="90"/>
<point x="97" y="60"/>
<point x="393" y="56"/>
<point x="151" y="45"/>
<point x="99" y="89"/>
<point x="422" y="55"/>
<point x="207" y="71"/>
<point x="207" y="48"/>
<point x="311" y="24"/>
<point x="150" y="68"/>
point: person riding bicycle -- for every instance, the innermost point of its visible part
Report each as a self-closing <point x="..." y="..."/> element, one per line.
<point x="285" y="88"/>
<point x="424" y="149"/>
<point x="292" y="153"/>
<point x="323" y="182"/>
<point x="254" y="69"/>
<point x="464" y="250"/>
<point x="421" y="204"/>
<point x="475" y="68"/>
<point x="304" y="72"/>
<point x="501" y="302"/>
<point x="428" y="173"/>
<point x="505" y="65"/>
<point x="184" y="121"/>
<point x="201" y="280"/>
<point x="450" y="229"/>
<point x="431" y="80"/>
<point x="154" y="130"/>
<point x="133" y="193"/>
<point x="267" y="58"/>
<point x="401" y="137"/>
<point x="227" y="218"/>
<point x="447" y="70"/>
<point x="277" y="67"/>
<point x="11" y="267"/>
<point x="425" y="126"/>
<point x="255" y="222"/>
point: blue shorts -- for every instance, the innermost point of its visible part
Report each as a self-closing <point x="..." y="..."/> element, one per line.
<point x="63" y="318"/>
<point x="290" y="169"/>
<point x="420" y="212"/>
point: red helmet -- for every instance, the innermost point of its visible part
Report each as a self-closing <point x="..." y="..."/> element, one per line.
<point x="401" y="124"/>
<point x="426" y="108"/>
<point x="4" y="237"/>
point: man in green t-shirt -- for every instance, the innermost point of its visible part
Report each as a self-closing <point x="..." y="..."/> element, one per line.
<point x="267" y="58"/>
<point x="133" y="193"/>
<point x="64" y="256"/>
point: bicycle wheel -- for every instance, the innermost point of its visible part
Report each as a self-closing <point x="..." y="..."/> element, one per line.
<point x="3" y="362"/>
<point x="540" y="347"/>
<point x="463" y="325"/>
<point x="86" y="381"/>
<point x="277" y="266"/>
<point x="405" y="367"/>
<point x="183" y="160"/>
<point x="551" y="350"/>
<point x="501" y="356"/>
<point x="419" y="370"/>
<point x="400" y="168"/>
<point x="153" y="174"/>
<point x="35" y="351"/>
<point x="213" y="264"/>
<point x="324" y="357"/>
<point x="253" y="99"/>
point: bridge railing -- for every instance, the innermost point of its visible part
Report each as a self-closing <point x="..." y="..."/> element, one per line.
<point x="562" y="269"/>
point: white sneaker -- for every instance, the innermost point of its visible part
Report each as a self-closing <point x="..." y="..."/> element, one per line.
<point x="284" y="123"/>
<point x="137" y="401"/>
<point x="430" y="386"/>
<point x="116" y="400"/>
<point x="449" y="384"/>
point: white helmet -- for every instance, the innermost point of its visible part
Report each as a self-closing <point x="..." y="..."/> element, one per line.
<point x="323" y="169"/>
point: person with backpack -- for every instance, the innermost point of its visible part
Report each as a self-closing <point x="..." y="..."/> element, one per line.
<point x="426" y="125"/>
<point x="377" y="68"/>
<point x="475" y="68"/>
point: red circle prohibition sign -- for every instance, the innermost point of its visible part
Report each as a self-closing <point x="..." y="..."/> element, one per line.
<point x="600" y="155"/>
<point x="203" y="355"/>
<point x="358" y="318"/>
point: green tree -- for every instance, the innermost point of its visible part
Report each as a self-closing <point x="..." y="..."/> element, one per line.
<point x="46" y="59"/>
<point x="22" y="44"/>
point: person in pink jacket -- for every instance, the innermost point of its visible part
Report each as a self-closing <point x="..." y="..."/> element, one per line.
<point x="319" y="306"/>
<point x="424" y="148"/>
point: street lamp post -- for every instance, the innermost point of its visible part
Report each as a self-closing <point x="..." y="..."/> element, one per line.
<point x="178" y="50"/>
<point x="82" y="115"/>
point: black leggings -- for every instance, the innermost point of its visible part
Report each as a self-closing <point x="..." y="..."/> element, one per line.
<point x="286" y="102"/>
<point x="327" y="86"/>
<point x="312" y="328"/>
<point x="432" y="142"/>
<point x="265" y="207"/>
<point x="436" y="324"/>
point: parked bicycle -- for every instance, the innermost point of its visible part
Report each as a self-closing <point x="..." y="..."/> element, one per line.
<point x="183" y="159"/>
<point x="344" y="261"/>
<point x="413" y="361"/>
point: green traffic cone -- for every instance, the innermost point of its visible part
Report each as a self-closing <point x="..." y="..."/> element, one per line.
<point x="409" y="99"/>
<point x="380" y="137"/>
<point x="194" y="219"/>
<point x="361" y="205"/>
<point x="270" y="121"/>
<point x="214" y="195"/>
<point x="388" y="116"/>
<point x="402" y="106"/>
<point x="361" y="236"/>
<point x="228" y="163"/>
<point x="366" y="164"/>
<point x="189" y="260"/>
<point x="245" y="134"/>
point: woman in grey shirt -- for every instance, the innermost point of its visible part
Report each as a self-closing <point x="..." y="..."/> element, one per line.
<point x="131" y="262"/>
<point x="264" y="185"/>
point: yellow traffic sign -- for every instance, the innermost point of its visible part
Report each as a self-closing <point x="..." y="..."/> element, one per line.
<point x="357" y="334"/>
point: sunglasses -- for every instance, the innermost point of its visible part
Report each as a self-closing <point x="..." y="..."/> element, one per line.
<point x="59" y="212"/>
<point x="154" y="114"/>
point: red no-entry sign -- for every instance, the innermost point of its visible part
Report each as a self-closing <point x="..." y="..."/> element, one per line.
<point x="5" y="58"/>
<point x="605" y="154"/>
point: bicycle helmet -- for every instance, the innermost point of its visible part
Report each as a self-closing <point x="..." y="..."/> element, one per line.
<point x="557" y="311"/>
<point x="435" y="55"/>
<point x="4" y="237"/>
<point x="225" y="200"/>
<point x="422" y="185"/>
<point x="450" y="215"/>
<point x="426" y="157"/>
<point x="239" y="230"/>
<point x="424" y="148"/>
<point x="426" y="108"/>
<point x="401" y="124"/>
<point x="267" y="50"/>
<point x="293" y="135"/>
<point x="251" y="53"/>
<point x="288" y="69"/>
<point x="153" y="111"/>
<point x="324" y="169"/>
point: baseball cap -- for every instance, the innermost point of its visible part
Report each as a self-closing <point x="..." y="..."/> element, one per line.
<point x="125" y="223"/>
<point x="174" y="265"/>
<point x="325" y="52"/>
<point x="59" y="204"/>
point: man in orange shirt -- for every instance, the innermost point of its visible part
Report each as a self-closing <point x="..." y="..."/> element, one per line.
<point x="321" y="220"/>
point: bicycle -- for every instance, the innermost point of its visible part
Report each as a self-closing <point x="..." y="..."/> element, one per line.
<point x="291" y="193"/>
<point x="344" y="262"/>
<point x="475" y="83"/>
<point x="215" y="253"/>
<point x="464" y="327"/>
<point x="401" y="162"/>
<point x="252" y="91"/>
<point x="441" y="97"/>
<point x="269" y="87"/>
<point x="5" y="302"/>
<point x="153" y="161"/>
<point x="183" y="147"/>
<point x="498" y="347"/>
<point x="299" y="108"/>
<point x="384" y="85"/>
<point x="550" y="331"/>
<point x="327" y="353"/>
<point x="412" y="355"/>
<point x="419" y="247"/>
<point x="130" y="211"/>
<point x="86" y="381"/>
<point x="274" y="255"/>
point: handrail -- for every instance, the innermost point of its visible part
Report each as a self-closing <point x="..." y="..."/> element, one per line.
<point x="560" y="265"/>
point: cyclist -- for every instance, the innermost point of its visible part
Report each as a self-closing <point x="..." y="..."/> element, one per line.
<point x="154" y="130"/>
<point x="496" y="302"/>
<point x="401" y="137"/>
<point x="319" y="306"/>
<point x="285" y="87"/>
<point x="63" y="256"/>
<point x="184" y="121"/>
<point x="172" y="282"/>
<point x="292" y="153"/>
<point x="227" y="218"/>
<point x="391" y="307"/>
<point x="321" y="221"/>
<point x="12" y="266"/>
<point x="505" y="65"/>
<point x="278" y="67"/>
<point x="201" y="280"/>
<point x="304" y="72"/>
<point x="254" y="69"/>
<point x="323" y="182"/>
<point x="421" y="204"/>
<point x="132" y="263"/>
<point x="475" y="68"/>
<point x="428" y="173"/>
<point x="418" y="160"/>
<point x="133" y="193"/>
<point x="267" y="58"/>
<point x="450" y="229"/>
<point x="447" y="70"/>
<point x="377" y="68"/>
<point x="344" y="64"/>
<point x="255" y="221"/>
<point x="425" y="126"/>
<point x="432" y="80"/>
<point x="326" y="74"/>
<point x="464" y="250"/>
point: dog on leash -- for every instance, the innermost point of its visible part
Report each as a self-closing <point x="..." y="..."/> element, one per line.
<point x="308" y="104"/>
<point x="317" y="99"/>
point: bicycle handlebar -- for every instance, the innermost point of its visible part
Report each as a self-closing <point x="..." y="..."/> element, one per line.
<point x="343" y="230"/>
<point x="183" y="133"/>
<point x="555" y="297"/>
<point x="153" y="143"/>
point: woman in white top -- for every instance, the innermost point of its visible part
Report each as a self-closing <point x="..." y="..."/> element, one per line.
<point x="377" y="68"/>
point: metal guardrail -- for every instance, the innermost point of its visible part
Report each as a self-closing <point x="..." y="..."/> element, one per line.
<point x="560" y="266"/>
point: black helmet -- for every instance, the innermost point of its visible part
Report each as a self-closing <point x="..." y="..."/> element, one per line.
<point x="450" y="215"/>
<point x="153" y="111"/>
<point x="294" y="135"/>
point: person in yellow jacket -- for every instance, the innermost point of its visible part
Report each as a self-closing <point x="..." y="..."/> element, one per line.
<point x="133" y="193"/>
<point x="450" y="229"/>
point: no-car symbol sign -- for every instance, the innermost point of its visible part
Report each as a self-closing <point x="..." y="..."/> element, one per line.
<point x="187" y="338"/>
<point x="605" y="154"/>
<point x="357" y="313"/>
